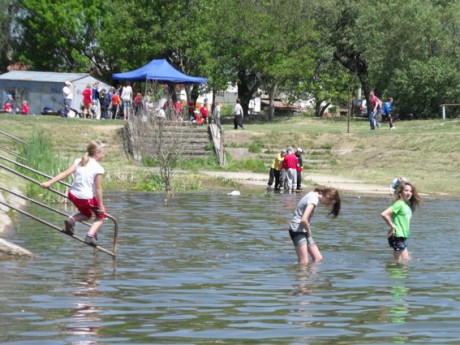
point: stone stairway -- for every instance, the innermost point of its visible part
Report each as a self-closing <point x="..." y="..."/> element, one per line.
<point x="191" y="140"/>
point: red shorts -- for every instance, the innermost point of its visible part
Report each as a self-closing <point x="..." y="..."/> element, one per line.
<point x="87" y="206"/>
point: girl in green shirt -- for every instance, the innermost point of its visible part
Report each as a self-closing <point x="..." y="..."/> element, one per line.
<point x="398" y="217"/>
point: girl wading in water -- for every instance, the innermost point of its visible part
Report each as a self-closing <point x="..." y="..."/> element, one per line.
<point x="398" y="217"/>
<point x="299" y="227"/>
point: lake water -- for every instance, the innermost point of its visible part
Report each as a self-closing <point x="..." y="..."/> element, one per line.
<point x="220" y="269"/>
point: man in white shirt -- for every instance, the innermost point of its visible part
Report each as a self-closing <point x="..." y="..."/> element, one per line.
<point x="68" y="97"/>
<point x="238" y="115"/>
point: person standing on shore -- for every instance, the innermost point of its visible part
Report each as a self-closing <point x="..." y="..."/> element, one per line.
<point x="387" y="112"/>
<point x="398" y="217"/>
<point x="275" y="172"/>
<point x="86" y="100"/>
<point x="290" y="170"/>
<point x="86" y="190"/>
<point x="299" y="227"/>
<point x="68" y="97"/>
<point x="238" y="115"/>
<point x="299" y="168"/>
<point x="127" y="98"/>
<point x="374" y="102"/>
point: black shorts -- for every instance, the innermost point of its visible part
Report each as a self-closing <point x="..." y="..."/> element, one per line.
<point x="397" y="243"/>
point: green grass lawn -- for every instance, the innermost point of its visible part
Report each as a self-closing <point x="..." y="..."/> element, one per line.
<point x="425" y="151"/>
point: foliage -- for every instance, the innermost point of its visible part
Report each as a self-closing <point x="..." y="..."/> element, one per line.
<point x="297" y="48"/>
<point x="64" y="34"/>
<point x="43" y="158"/>
<point x="8" y="8"/>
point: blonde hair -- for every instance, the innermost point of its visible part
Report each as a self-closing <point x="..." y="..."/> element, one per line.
<point x="93" y="147"/>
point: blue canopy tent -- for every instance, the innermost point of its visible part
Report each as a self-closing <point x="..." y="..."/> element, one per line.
<point x="159" y="70"/>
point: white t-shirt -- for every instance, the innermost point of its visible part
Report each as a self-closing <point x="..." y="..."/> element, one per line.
<point x="67" y="92"/>
<point x="238" y="111"/>
<point x="127" y="93"/>
<point x="83" y="186"/>
<point x="309" y="198"/>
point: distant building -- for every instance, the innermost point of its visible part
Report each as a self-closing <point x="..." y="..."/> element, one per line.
<point x="44" y="89"/>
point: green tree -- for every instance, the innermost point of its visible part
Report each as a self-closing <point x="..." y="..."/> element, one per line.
<point x="8" y="10"/>
<point x="63" y="36"/>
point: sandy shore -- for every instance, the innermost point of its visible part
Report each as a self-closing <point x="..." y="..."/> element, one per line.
<point x="347" y="186"/>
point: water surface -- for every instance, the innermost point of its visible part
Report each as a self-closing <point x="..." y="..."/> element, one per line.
<point x="213" y="268"/>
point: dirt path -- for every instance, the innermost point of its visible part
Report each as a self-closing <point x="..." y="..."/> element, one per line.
<point x="354" y="187"/>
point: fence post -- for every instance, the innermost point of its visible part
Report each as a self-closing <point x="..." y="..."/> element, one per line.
<point x="443" y="112"/>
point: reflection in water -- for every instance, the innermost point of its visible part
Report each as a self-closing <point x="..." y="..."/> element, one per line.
<point x="399" y="308"/>
<point x="86" y="315"/>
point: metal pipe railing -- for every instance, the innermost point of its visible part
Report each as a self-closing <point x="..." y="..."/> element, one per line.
<point x="19" y="140"/>
<point x="115" y="222"/>
<point x="102" y="249"/>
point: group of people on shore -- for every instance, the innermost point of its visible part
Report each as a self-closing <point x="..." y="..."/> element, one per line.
<point x="120" y="102"/>
<point x="99" y="103"/>
<point x="286" y="171"/>
<point x="385" y="108"/>
<point x="10" y="106"/>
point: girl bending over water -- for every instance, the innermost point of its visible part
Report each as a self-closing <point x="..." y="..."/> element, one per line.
<point x="299" y="227"/>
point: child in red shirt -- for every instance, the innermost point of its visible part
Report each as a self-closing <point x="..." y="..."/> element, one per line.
<point x="25" y="108"/>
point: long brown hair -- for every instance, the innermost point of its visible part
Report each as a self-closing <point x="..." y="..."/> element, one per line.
<point x="93" y="147"/>
<point x="332" y="194"/>
<point x="414" y="202"/>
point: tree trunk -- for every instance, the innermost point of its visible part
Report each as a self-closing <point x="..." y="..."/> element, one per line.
<point x="248" y="83"/>
<point x="319" y="110"/>
<point x="271" y="105"/>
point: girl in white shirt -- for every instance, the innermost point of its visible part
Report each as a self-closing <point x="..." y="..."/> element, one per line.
<point x="86" y="190"/>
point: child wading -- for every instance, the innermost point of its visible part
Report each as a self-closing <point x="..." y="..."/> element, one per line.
<point x="86" y="190"/>
<point x="299" y="227"/>
<point x="398" y="217"/>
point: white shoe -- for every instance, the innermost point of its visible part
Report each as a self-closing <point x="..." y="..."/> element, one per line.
<point x="393" y="128"/>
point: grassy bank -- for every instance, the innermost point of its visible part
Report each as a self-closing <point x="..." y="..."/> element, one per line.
<point x="424" y="151"/>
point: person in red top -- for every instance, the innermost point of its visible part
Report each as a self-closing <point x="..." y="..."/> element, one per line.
<point x="87" y="93"/>
<point x="178" y="109"/>
<point x="290" y="170"/>
<point x="115" y="105"/>
<point x="25" y="108"/>
<point x="375" y="104"/>
<point x="204" y="112"/>
<point x="137" y="103"/>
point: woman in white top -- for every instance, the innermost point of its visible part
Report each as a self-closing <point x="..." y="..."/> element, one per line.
<point x="86" y="190"/>
<point x="126" y="97"/>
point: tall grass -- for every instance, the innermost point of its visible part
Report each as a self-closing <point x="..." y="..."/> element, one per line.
<point x="43" y="158"/>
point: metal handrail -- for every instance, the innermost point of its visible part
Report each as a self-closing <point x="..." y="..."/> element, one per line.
<point x="115" y="235"/>
<point x="219" y="150"/>
<point x="102" y="249"/>
<point x="19" y="140"/>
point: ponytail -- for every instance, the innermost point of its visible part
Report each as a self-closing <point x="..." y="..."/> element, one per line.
<point x="93" y="147"/>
